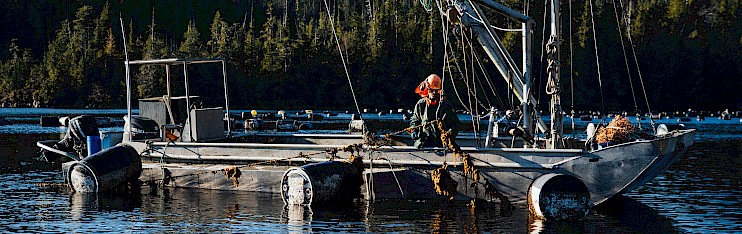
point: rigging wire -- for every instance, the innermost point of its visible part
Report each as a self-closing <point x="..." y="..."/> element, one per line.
<point x="541" y="57"/>
<point x="571" y="70"/>
<point x="489" y="83"/>
<point x="502" y="50"/>
<point x="461" y="74"/>
<point x="342" y="57"/>
<point x="466" y="73"/>
<point x="456" y="91"/>
<point x="478" y="79"/>
<point x="444" y="32"/>
<point x="509" y="62"/>
<point x="636" y="61"/>
<point x="427" y="5"/>
<point x="475" y="124"/>
<point x="447" y="47"/>
<point x="625" y="59"/>
<point x="597" y="61"/>
<point x="492" y="26"/>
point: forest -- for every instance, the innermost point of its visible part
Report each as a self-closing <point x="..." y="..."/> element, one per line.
<point x="658" y="55"/>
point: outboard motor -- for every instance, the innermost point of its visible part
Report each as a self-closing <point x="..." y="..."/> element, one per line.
<point x="78" y="129"/>
<point x="142" y="127"/>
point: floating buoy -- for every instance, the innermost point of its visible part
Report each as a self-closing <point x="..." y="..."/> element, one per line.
<point x="684" y="119"/>
<point x="321" y="183"/>
<point x="105" y="170"/>
<point x="558" y="197"/>
<point x="246" y="115"/>
<point x="306" y="126"/>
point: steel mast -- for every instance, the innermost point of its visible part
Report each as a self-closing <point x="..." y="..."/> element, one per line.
<point x="552" y="87"/>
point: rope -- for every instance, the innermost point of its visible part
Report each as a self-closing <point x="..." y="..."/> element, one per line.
<point x="458" y="67"/>
<point x="597" y="61"/>
<point x="446" y="61"/>
<point x="502" y="50"/>
<point x="489" y="83"/>
<point x="552" y="84"/>
<point x="495" y="27"/>
<point x="445" y="185"/>
<point x="444" y="33"/>
<point x="541" y="57"/>
<point x="625" y="58"/>
<point x="636" y="61"/>
<point x="472" y="59"/>
<point x="456" y="91"/>
<point x="466" y="79"/>
<point x="342" y="58"/>
<point x="571" y="70"/>
<point x="393" y="174"/>
<point x="427" y="5"/>
<point x="475" y="113"/>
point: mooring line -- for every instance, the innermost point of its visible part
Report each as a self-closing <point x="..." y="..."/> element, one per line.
<point x="393" y="174"/>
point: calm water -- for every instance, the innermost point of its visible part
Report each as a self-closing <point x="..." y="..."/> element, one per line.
<point x="700" y="193"/>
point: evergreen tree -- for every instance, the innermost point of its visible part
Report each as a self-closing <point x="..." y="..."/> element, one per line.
<point x="55" y="84"/>
<point x="12" y="76"/>
<point x="151" y="80"/>
<point x="191" y="45"/>
<point x="80" y="52"/>
<point x="218" y="44"/>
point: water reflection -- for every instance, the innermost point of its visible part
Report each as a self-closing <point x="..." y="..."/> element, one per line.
<point x="87" y="203"/>
<point x="297" y="216"/>
<point x="699" y="193"/>
<point x="192" y="210"/>
<point x="631" y="215"/>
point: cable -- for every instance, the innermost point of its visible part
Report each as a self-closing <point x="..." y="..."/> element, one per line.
<point x="345" y="67"/>
<point x="625" y="58"/>
<point x="597" y="61"/>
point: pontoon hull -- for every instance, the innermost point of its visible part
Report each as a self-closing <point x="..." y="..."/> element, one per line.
<point x="403" y="172"/>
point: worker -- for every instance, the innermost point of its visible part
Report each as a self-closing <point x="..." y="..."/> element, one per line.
<point x="509" y="120"/>
<point x="429" y="108"/>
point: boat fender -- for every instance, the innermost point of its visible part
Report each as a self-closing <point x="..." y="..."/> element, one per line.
<point x="558" y="197"/>
<point x="305" y="126"/>
<point x="591" y="129"/>
<point x="105" y="170"/>
<point x="663" y="129"/>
